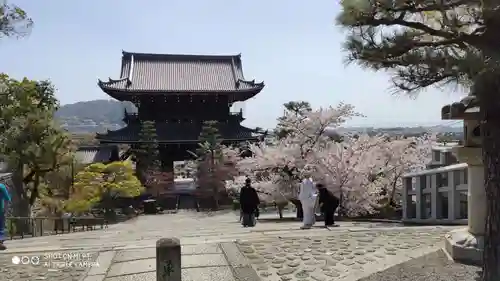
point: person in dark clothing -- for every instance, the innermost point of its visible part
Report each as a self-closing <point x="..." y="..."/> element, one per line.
<point x="249" y="202"/>
<point x="328" y="203"/>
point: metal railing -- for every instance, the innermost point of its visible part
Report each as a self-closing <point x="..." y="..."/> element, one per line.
<point x="22" y="227"/>
<point x="436" y="195"/>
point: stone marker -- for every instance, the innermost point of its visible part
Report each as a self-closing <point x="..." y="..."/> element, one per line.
<point x="168" y="259"/>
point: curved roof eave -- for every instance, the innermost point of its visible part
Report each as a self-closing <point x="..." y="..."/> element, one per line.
<point x="106" y="88"/>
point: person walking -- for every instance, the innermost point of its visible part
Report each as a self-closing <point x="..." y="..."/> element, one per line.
<point x="4" y="196"/>
<point x="249" y="202"/>
<point x="328" y="204"/>
<point x="307" y="197"/>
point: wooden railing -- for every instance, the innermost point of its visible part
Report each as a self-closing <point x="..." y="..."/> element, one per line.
<point x="436" y="195"/>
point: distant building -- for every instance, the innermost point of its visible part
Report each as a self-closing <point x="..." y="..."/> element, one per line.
<point x="442" y="155"/>
<point x="97" y="154"/>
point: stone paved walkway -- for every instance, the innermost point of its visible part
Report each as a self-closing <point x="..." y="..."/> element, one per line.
<point x="216" y="247"/>
<point x="342" y="255"/>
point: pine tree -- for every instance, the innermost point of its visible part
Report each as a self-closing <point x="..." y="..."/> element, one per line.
<point x="210" y="160"/>
<point x="147" y="153"/>
<point x="435" y="43"/>
<point x="291" y="107"/>
<point x="209" y="138"/>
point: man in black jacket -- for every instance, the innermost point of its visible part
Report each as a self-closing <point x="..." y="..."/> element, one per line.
<point x="328" y="203"/>
<point x="249" y="202"/>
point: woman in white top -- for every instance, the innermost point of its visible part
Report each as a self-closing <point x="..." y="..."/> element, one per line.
<point x="307" y="197"/>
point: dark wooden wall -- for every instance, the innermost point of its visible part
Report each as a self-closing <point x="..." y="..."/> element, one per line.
<point x="184" y="108"/>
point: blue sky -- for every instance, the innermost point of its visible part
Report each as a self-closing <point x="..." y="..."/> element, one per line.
<point x="293" y="46"/>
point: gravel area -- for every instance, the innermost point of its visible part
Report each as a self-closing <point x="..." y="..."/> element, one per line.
<point x="432" y="267"/>
<point x="50" y="266"/>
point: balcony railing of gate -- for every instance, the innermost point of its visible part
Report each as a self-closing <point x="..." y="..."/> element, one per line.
<point x="436" y="195"/>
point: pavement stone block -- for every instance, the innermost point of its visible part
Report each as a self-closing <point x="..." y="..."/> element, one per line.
<point x="201" y="249"/>
<point x="205" y="260"/>
<point x="137" y="254"/>
<point x="233" y="255"/>
<point x="148" y="276"/>
<point x="150" y="252"/>
<point x="147" y="265"/>
<point x="132" y="267"/>
<point x="104" y="259"/>
<point x="95" y="277"/>
<point x="242" y="269"/>
<point x="208" y="274"/>
<point x="188" y="274"/>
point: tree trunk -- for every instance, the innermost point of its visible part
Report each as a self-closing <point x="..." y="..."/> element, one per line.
<point x="298" y="206"/>
<point x="280" y="211"/>
<point x="490" y="130"/>
<point x="20" y="203"/>
<point x="341" y="210"/>
<point x="140" y="172"/>
<point x="213" y="176"/>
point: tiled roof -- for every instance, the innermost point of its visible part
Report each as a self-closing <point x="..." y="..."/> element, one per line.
<point x="177" y="133"/>
<point x="180" y="74"/>
<point x="94" y="154"/>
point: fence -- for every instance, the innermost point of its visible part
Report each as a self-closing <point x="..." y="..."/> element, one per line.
<point x="436" y="195"/>
<point x="21" y="227"/>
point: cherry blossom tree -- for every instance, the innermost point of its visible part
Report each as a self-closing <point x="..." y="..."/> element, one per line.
<point x="284" y="161"/>
<point x="346" y="170"/>
<point x="361" y="170"/>
<point x="401" y="156"/>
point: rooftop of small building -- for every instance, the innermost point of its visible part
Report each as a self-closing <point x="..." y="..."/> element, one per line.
<point x="95" y="153"/>
<point x="180" y="73"/>
<point x="445" y="146"/>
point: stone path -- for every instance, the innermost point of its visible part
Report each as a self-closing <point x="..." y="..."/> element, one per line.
<point x="342" y="255"/>
<point x="435" y="266"/>
<point x="216" y="247"/>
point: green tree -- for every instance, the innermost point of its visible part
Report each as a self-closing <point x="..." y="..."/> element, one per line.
<point x="211" y="170"/>
<point x="436" y="43"/>
<point x="13" y="21"/>
<point x="102" y="183"/>
<point x="57" y="187"/>
<point x="30" y="140"/>
<point x="292" y="107"/>
<point x="147" y="153"/>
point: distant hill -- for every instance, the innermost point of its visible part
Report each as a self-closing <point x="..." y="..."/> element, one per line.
<point x="93" y="116"/>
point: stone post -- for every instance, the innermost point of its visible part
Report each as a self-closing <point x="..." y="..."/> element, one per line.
<point x="418" y="195"/>
<point x="432" y="185"/>
<point x="168" y="259"/>
<point x="406" y="203"/>
<point x="466" y="245"/>
<point x="476" y="200"/>
<point x="452" y="196"/>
